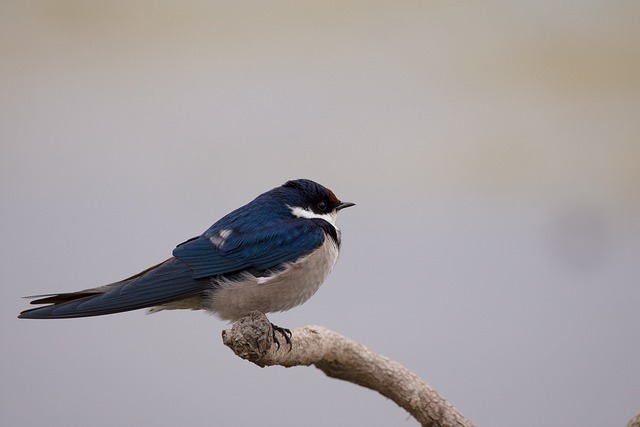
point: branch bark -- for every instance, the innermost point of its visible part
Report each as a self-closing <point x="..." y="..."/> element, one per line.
<point x="251" y="338"/>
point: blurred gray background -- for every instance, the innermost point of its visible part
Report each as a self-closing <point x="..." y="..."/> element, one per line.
<point x="492" y="148"/>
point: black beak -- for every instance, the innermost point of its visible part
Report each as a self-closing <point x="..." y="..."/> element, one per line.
<point x="344" y="205"/>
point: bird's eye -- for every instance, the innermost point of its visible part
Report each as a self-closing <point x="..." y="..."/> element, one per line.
<point x="322" y="205"/>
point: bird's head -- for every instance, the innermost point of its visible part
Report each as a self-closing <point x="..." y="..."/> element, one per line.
<point x="308" y="199"/>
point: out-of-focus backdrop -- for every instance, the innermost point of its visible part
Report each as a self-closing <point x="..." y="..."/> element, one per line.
<point x="493" y="150"/>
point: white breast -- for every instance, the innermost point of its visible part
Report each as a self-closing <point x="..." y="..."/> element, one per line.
<point x="231" y="300"/>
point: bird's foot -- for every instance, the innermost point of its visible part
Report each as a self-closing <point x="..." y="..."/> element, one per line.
<point x="286" y="333"/>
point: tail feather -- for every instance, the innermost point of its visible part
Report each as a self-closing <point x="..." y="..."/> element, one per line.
<point x="62" y="298"/>
<point x="167" y="282"/>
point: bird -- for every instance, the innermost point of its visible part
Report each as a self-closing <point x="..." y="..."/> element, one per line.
<point x="269" y="255"/>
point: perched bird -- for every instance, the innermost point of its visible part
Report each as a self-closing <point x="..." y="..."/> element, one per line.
<point x="270" y="255"/>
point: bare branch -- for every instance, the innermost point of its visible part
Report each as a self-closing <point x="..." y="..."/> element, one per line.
<point x="251" y="338"/>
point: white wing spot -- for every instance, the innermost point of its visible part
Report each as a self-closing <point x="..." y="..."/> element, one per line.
<point x="219" y="239"/>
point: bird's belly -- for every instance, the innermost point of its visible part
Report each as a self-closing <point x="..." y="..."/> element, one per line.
<point x="285" y="289"/>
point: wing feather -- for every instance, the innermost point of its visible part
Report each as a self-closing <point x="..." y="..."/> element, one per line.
<point x="228" y="251"/>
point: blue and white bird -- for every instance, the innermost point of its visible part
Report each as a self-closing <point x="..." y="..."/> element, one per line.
<point x="270" y="255"/>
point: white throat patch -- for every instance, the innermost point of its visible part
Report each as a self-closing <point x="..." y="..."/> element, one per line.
<point x="309" y="214"/>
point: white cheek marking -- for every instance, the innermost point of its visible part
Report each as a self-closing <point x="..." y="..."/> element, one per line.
<point x="309" y="214"/>
<point x="219" y="239"/>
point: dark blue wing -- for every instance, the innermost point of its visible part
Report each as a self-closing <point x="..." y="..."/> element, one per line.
<point x="170" y="281"/>
<point x="227" y="251"/>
